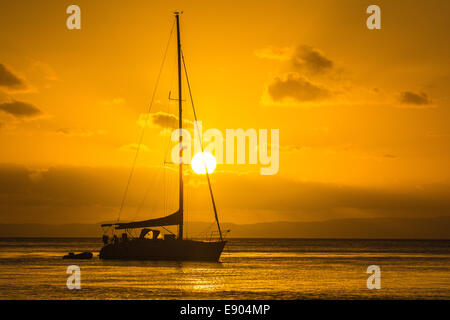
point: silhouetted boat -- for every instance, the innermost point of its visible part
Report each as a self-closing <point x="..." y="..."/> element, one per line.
<point x="83" y="255"/>
<point x="171" y="247"/>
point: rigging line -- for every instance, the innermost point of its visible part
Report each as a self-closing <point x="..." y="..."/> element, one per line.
<point x="188" y="203"/>
<point x="167" y="230"/>
<point x="201" y="145"/>
<point x="145" y="124"/>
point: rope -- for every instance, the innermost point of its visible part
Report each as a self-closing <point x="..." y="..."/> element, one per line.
<point x="145" y="124"/>
<point x="201" y="145"/>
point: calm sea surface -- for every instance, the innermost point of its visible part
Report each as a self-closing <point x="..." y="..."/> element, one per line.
<point x="249" y="269"/>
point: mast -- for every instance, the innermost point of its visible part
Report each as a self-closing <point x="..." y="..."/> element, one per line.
<point x="180" y="125"/>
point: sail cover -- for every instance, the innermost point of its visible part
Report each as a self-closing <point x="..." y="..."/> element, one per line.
<point x="170" y="220"/>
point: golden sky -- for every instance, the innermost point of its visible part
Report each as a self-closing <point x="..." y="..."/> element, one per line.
<point x="363" y="114"/>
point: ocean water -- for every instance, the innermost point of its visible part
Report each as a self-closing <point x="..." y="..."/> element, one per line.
<point x="249" y="269"/>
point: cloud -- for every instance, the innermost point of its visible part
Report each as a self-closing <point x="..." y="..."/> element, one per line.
<point x="162" y="120"/>
<point x="302" y="58"/>
<point x="309" y="59"/>
<point x="297" y="88"/>
<point x="44" y="69"/>
<point x="20" y="109"/>
<point x="70" y="132"/>
<point x="302" y="83"/>
<point x="166" y="132"/>
<point x="308" y="78"/>
<point x="415" y="99"/>
<point x="10" y="80"/>
<point x="275" y="53"/>
<point x="55" y="193"/>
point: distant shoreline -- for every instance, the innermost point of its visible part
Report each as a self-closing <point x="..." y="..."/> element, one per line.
<point x="248" y="238"/>
<point x="376" y="228"/>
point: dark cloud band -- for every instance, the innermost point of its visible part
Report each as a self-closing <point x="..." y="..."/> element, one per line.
<point x="297" y="88"/>
<point x="20" y="109"/>
<point x="409" y="97"/>
<point x="9" y="80"/>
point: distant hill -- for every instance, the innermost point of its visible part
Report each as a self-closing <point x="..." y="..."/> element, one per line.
<point x="411" y="228"/>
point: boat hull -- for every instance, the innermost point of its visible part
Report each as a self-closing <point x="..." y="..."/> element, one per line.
<point x="157" y="249"/>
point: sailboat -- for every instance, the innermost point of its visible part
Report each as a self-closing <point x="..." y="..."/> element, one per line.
<point x="171" y="246"/>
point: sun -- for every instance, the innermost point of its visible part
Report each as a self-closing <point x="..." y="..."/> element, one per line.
<point x="198" y="162"/>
